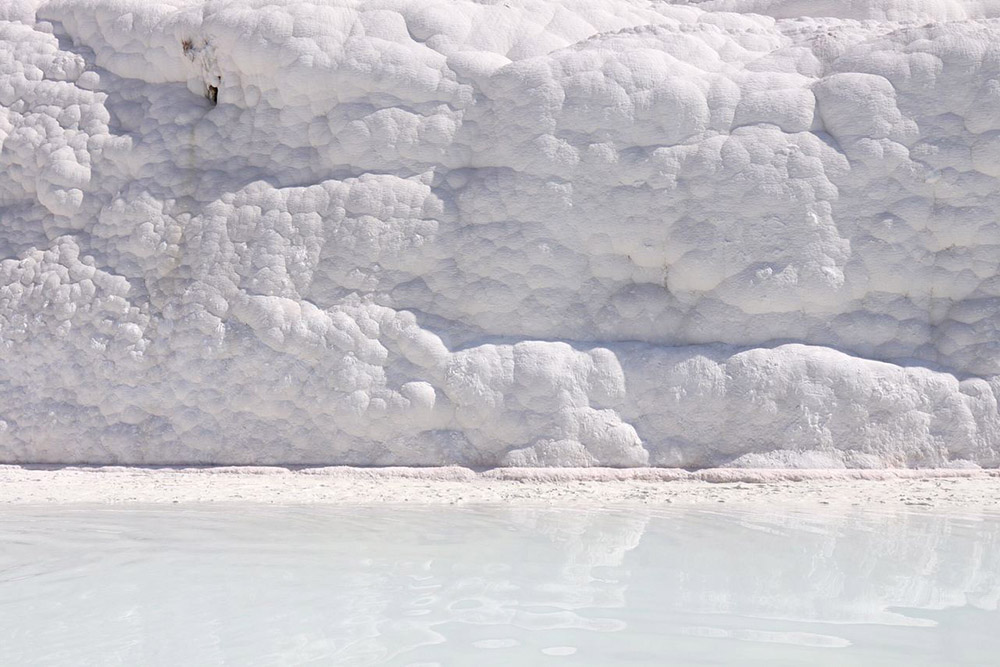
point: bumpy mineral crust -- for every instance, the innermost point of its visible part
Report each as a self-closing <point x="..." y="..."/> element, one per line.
<point x="757" y="233"/>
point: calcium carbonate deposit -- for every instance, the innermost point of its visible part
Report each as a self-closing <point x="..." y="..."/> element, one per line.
<point x="500" y="232"/>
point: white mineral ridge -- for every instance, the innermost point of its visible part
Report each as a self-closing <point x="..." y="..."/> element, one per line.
<point x="759" y="233"/>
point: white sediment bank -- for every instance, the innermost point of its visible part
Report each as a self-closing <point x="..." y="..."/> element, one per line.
<point x="627" y="233"/>
<point x="968" y="489"/>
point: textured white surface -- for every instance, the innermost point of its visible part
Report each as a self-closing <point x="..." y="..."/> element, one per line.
<point x="588" y="487"/>
<point x="731" y="232"/>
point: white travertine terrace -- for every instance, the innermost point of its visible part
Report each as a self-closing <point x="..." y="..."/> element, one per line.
<point x="524" y="232"/>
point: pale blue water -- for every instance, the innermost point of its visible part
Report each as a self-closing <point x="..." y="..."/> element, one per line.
<point x="248" y="585"/>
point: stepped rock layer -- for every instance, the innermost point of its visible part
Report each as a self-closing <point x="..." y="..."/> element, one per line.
<point x="425" y="232"/>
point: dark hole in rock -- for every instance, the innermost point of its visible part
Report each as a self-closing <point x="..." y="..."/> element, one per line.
<point x="213" y="94"/>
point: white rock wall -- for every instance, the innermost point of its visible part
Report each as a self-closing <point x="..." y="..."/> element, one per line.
<point x="728" y="232"/>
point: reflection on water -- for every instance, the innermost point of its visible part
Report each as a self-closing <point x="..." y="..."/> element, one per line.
<point x="496" y="586"/>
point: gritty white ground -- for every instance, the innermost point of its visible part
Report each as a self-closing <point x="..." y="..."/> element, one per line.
<point x="968" y="489"/>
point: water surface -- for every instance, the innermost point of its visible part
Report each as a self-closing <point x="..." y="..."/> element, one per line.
<point x="489" y="585"/>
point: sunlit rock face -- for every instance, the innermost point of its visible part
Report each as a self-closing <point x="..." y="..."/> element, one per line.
<point x="584" y="232"/>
